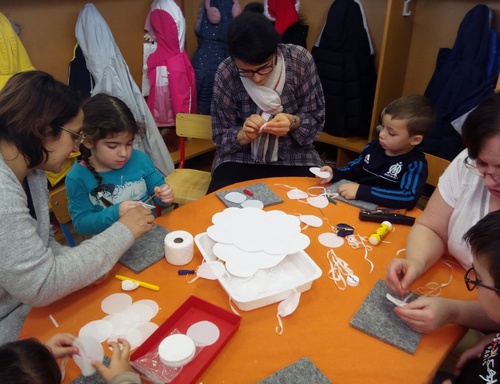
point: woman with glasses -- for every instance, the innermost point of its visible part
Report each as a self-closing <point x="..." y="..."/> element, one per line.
<point x="40" y="123"/>
<point x="467" y="191"/>
<point x="267" y="106"/>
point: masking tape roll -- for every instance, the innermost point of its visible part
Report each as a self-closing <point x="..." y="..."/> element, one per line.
<point x="179" y="247"/>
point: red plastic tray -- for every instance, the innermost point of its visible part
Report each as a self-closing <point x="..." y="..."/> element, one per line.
<point x="191" y="311"/>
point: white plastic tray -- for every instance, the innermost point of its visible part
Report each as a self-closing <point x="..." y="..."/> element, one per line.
<point x="297" y="271"/>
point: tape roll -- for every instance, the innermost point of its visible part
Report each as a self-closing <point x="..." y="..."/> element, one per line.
<point x="179" y="247"/>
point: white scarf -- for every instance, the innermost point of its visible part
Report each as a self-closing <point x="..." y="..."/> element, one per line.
<point x="268" y="99"/>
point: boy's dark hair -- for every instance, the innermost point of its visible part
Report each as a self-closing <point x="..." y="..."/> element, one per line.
<point x="416" y="110"/>
<point x="28" y="362"/>
<point x="33" y="107"/>
<point x="482" y="124"/>
<point x="252" y="38"/>
<point x="105" y="116"/>
<point x="485" y="244"/>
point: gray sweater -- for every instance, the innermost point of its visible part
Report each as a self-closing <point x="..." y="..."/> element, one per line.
<point x="35" y="270"/>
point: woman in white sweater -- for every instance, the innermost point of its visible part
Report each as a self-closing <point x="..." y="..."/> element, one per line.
<point x="40" y="123"/>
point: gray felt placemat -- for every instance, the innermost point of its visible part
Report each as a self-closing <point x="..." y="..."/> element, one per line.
<point x="147" y="250"/>
<point x="300" y="372"/>
<point x="357" y="203"/>
<point x="376" y="317"/>
<point x="260" y="192"/>
<point x="95" y="378"/>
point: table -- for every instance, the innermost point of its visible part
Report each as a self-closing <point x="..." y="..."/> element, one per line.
<point x="318" y="329"/>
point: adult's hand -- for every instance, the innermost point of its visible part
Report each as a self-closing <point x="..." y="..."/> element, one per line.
<point x="139" y="220"/>
<point x="280" y="125"/>
<point x="426" y="314"/>
<point x="126" y="205"/>
<point x="401" y="273"/>
<point x="250" y="129"/>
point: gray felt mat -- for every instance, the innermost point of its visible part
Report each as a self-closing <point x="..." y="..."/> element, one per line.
<point x="260" y="192"/>
<point x="92" y="379"/>
<point x="300" y="372"/>
<point x="357" y="203"/>
<point x="377" y="318"/>
<point x="147" y="250"/>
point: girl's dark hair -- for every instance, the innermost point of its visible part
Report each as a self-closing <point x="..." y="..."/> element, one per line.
<point x="485" y="244"/>
<point x="105" y="116"/>
<point x="28" y="362"/>
<point x="252" y="38"/>
<point x="33" y="107"/>
<point x="482" y="124"/>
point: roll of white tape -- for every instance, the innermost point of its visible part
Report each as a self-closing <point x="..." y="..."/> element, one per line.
<point x="179" y="247"/>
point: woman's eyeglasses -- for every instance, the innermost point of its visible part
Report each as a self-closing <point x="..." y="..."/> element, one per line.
<point x="78" y="138"/>
<point x="479" y="172"/>
<point x="471" y="281"/>
<point x="265" y="70"/>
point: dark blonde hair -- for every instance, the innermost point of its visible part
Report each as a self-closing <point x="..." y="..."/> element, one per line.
<point x="416" y="110"/>
<point x="33" y="107"/>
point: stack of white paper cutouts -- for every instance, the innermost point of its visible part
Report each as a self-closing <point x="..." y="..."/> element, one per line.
<point x="249" y="239"/>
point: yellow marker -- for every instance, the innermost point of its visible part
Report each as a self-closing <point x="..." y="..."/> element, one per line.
<point x="141" y="283"/>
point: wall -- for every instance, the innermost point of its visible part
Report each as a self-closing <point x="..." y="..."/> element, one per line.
<point x="48" y="30"/>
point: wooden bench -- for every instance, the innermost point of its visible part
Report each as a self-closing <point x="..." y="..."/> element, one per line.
<point x="348" y="147"/>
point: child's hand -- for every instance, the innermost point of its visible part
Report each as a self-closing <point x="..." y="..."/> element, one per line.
<point x="349" y="191"/>
<point x="120" y="361"/>
<point x="61" y="345"/>
<point x="126" y="205"/>
<point x="473" y="353"/>
<point x="165" y="193"/>
<point x="325" y="168"/>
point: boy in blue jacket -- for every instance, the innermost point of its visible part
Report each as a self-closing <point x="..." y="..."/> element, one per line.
<point x="391" y="170"/>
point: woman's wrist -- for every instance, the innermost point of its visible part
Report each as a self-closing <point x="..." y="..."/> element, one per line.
<point x="294" y="121"/>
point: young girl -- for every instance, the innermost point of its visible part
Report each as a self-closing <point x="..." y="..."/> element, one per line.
<point x="111" y="177"/>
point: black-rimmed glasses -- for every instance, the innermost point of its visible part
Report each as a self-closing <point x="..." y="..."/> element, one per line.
<point x="478" y="171"/>
<point x="471" y="281"/>
<point x="78" y="138"/>
<point x="265" y="70"/>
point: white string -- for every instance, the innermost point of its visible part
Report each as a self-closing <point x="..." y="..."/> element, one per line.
<point x="358" y="241"/>
<point x="338" y="269"/>
<point x="279" y="327"/>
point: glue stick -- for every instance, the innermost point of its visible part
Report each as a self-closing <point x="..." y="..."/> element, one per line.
<point x="377" y="236"/>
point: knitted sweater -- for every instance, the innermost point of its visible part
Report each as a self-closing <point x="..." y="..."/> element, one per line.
<point x="35" y="269"/>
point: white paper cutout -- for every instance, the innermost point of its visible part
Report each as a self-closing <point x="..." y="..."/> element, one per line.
<point x="330" y="240"/>
<point x="97" y="329"/>
<point x="204" y="333"/>
<point x="146" y="309"/>
<point x="116" y="302"/>
<point x="320" y="201"/>
<point x="313" y="221"/>
<point x="235" y="197"/>
<point x="253" y="203"/>
<point x="147" y="206"/>
<point x="296" y="194"/>
<point x="88" y="349"/>
<point x="287" y="307"/>
<point x="211" y="270"/>
<point x="318" y="172"/>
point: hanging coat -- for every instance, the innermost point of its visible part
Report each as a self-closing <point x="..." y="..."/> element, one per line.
<point x="212" y="49"/>
<point x="460" y="72"/>
<point x="112" y="76"/>
<point x="346" y="68"/>
<point x="13" y="55"/>
<point x="166" y="25"/>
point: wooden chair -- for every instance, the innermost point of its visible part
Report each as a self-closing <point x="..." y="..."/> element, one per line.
<point x="436" y="166"/>
<point x="190" y="184"/>
<point x="59" y="204"/>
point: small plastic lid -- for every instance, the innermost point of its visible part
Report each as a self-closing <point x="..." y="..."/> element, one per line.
<point x="176" y="350"/>
<point x="387" y="223"/>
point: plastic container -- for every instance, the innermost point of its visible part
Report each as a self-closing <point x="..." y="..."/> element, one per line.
<point x="268" y="286"/>
<point x="382" y="231"/>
